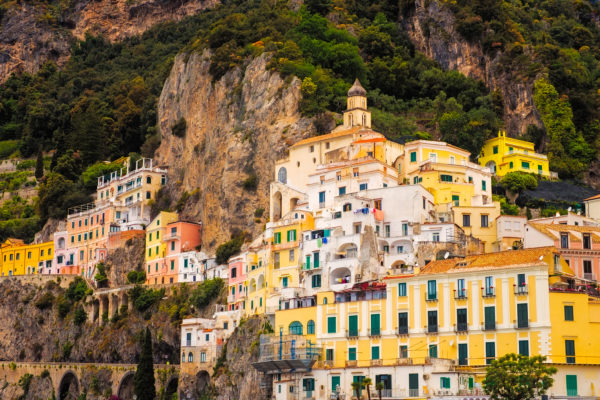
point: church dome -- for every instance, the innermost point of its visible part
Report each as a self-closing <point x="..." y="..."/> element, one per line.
<point x="357" y="89"/>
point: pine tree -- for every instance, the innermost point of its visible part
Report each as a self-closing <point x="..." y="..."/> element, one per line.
<point x="143" y="381"/>
<point x="39" y="165"/>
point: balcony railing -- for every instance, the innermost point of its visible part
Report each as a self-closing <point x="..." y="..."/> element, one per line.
<point x="404" y="361"/>
<point x="431" y="297"/>
<point x="488" y="326"/>
<point x="522" y="324"/>
<point x="351" y="363"/>
<point x="460" y="294"/>
<point x="488" y="292"/>
<point x="403" y="330"/>
<point x="431" y="329"/>
<point x="521" y="290"/>
<point x="588" y="276"/>
<point x="461" y="327"/>
<point x="376" y="363"/>
<point x="374" y="332"/>
<point x="413" y="392"/>
<point x="351" y="333"/>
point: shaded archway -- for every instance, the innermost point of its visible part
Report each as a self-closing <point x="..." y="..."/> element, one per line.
<point x="492" y="166"/>
<point x="277" y="200"/>
<point x="95" y="310"/>
<point x="202" y="381"/>
<point x="171" y="387"/>
<point x="125" y="391"/>
<point x="68" y="389"/>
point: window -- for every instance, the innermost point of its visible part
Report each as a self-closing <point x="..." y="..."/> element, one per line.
<point x="484" y="220"/>
<point x="570" y="351"/>
<point x="446" y="178"/>
<point x="292" y="255"/>
<point x="284" y="281"/>
<point x="355" y="173"/>
<point x="403" y="322"/>
<point x="495" y="149"/>
<point x="399" y="249"/>
<point x="172" y="265"/>
<point x="452" y="160"/>
<point x="375" y="324"/>
<point x="308" y="384"/>
<point x="455" y="200"/>
<point x="295" y="328"/>
<point x="490" y="352"/>
<point x="524" y="347"/>
<point x="386" y="249"/>
<point x="329" y="354"/>
<point x="586" y="241"/>
<point x="321" y="199"/>
<point x="587" y="269"/>
<point x="413" y="156"/>
<point x="277" y="238"/>
<point x="569" y="313"/>
<point x="310" y="327"/>
<point x="522" y="316"/>
<point x="483" y="185"/>
<point x="466" y="220"/>
<point x="335" y="382"/>
<point x="432" y="321"/>
<point x="331" y="325"/>
<point x="463" y="354"/>
<point x="461" y="291"/>
<point x="510" y="165"/>
<point x="461" y="319"/>
<point x="444" y="382"/>
<point x="316" y="281"/>
<point x="363" y="186"/>
<point x="374" y="352"/>
<point x="539" y="168"/>
<point x="431" y="290"/>
<point x="402" y="289"/>
<point x="436" y="236"/>
<point x="291" y="235"/>
<point x="433" y="351"/>
<point x="233" y="272"/>
<point x="490" y="318"/>
<point x="564" y="240"/>
<point x="352" y="353"/>
<point x="190" y="357"/>
<point x="404" y="229"/>
<point x="403" y="351"/>
<point x="203" y="357"/>
<point x="571" y="385"/>
<point x="489" y="286"/>
<point x="342" y="190"/>
<point x="386" y="229"/>
<point x="524" y="165"/>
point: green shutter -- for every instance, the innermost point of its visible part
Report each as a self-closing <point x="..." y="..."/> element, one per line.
<point x="433" y="351"/>
<point x="413" y="382"/>
<point x="490" y="317"/>
<point x="522" y="316"/>
<point x="352" y="354"/>
<point x="569" y="313"/>
<point x="353" y="325"/>
<point x="463" y="354"/>
<point x="490" y="352"/>
<point x="570" y="351"/>
<point x="524" y="347"/>
<point x="375" y="324"/>
<point x="331" y="324"/>
<point x="335" y="382"/>
<point x="375" y="353"/>
<point x="571" y="385"/>
<point x="413" y="156"/>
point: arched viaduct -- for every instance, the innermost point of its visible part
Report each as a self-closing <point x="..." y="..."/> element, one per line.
<point x="67" y="378"/>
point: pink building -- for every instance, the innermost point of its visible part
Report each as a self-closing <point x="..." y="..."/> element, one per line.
<point x="578" y="245"/>
<point x="237" y="283"/>
<point x="60" y="252"/>
<point x="180" y="237"/>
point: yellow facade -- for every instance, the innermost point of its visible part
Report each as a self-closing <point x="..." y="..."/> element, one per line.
<point x="479" y="222"/>
<point x="156" y="248"/>
<point x="256" y="281"/>
<point x="505" y="154"/>
<point x="23" y="259"/>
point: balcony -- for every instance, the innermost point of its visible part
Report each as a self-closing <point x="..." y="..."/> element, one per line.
<point x="351" y="363"/>
<point x="460" y="295"/>
<point x="431" y="297"/>
<point x="351" y="333"/>
<point x="403" y="331"/>
<point x="404" y="361"/>
<point x="431" y="329"/>
<point x="488" y="326"/>
<point x="374" y="332"/>
<point x="522" y="324"/>
<point x="461" y="327"/>
<point x="376" y="363"/>
<point x="588" y="276"/>
<point x="231" y="298"/>
<point x="521" y="290"/>
<point x="488" y="292"/>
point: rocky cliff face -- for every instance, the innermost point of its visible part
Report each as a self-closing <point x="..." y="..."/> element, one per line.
<point x="32" y="34"/>
<point x="237" y="127"/>
<point x="431" y="28"/>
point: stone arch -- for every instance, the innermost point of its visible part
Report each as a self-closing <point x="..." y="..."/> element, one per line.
<point x="68" y="388"/>
<point x="252" y="286"/>
<point x="171" y="387"/>
<point x="125" y="390"/>
<point x="124" y="299"/>
<point x="293" y="203"/>
<point x="340" y="276"/>
<point x="114" y="305"/>
<point x="104" y="306"/>
<point x="202" y="381"/>
<point x="492" y="166"/>
<point x="95" y="310"/>
<point x="347" y="250"/>
<point x="260" y="282"/>
<point x="277" y="203"/>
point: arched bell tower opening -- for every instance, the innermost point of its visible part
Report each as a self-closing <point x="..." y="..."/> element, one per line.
<point x="356" y="113"/>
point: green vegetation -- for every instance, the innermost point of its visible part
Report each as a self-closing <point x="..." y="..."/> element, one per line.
<point x="136" y="276"/>
<point x="143" y="381"/>
<point x="557" y="39"/>
<point x="144" y="298"/>
<point x="518" y="377"/>
<point x="516" y="182"/>
<point x="80" y="316"/>
<point x="45" y="301"/>
<point x="100" y="277"/>
<point x="230" y="248"/>
<point x="25" y="383"/>
<point x="39" y="165"/>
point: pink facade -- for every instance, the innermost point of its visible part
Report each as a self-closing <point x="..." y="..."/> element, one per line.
<point x="60" y="253"/>
<point x="236" y="290"/>
<point x="179" y="237"/>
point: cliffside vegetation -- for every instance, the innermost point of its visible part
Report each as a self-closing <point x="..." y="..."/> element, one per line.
<point x="102" y="104"/>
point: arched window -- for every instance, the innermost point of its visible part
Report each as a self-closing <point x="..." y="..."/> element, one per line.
<point x="324" y="300"/>
<point x="190" y="357"/>
<point x="347" y="207"/>
<point x="183" y="357"/>
<point x="295" y="328"/>
<point x="282" y="175"/>
<point x="310" y="327"/>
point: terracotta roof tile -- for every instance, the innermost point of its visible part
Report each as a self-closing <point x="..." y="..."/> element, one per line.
<point x="593" y="197"/>
<point x="333" y="135"/>
<point x="502" y="259"/>
<point x="555" y="230"/>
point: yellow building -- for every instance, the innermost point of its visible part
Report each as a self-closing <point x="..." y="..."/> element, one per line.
<point x="257" y="278"/>
<point x="480" y="222"/>
<point x="156" y="247"/>
<point x="504" y="154"/>
<point x="19" y="258"/>
<point x="466" y="312"/>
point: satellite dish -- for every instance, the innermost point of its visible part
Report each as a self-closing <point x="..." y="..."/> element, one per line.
<point x="446" y="255"/>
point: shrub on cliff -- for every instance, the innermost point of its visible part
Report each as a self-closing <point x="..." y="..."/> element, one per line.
<point x="145" y="298"/>
<point x="45" y="301"/>
<point x="77" y="289"/>
<point x="229" y="249"/>
<point x="206" y="292"/>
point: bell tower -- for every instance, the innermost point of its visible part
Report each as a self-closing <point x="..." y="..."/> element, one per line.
<point x="356" y="113"/>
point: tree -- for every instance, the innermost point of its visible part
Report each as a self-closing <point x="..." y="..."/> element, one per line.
<point x="516" y="182"/>
<point x="379" y="386"/>
<point x="517" y="377"/>
<point x="143" y="381"/>
<point x="39" y="165"/>
<point x="367" y="385"/>
<point x="356" y="386"/>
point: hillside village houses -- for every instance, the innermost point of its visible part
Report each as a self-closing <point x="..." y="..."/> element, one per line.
<point x="379" y="259"/>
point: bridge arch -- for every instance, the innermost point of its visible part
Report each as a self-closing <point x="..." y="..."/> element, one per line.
<point x="68" y="388"/>
<point x="125" y="390"/>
